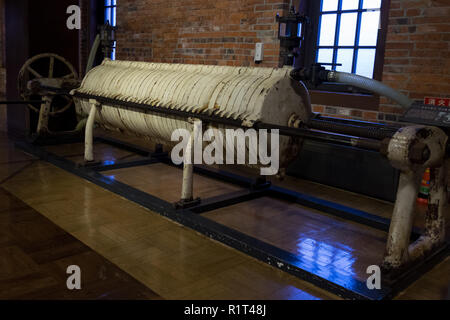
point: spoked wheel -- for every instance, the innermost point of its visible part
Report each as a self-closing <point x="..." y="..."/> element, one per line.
<point x="46" y="66"/>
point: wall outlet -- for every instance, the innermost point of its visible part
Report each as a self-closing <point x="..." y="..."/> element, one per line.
<point x="259" y="52"/>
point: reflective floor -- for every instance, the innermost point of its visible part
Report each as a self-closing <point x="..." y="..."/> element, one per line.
<point x="35" y="255"/>
<point x="176" y="262"/>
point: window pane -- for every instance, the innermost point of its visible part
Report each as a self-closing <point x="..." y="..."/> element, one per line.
<point x="365" y="62"/>
<point x="325" y="56"/>
<point x="284" y="32"/>
<point x="108" y="15"/>
<point x="369" y="28"/>
<point x="113" y="17"/>
<point x="329" y="5"/>
<point x="350" y="4"/>
<point x="299" y="30"/>
<point x="345" y="57"/>
<point x="107" y="2"/>
<point x="327" y="30"/>
<point x="347" y="29"/>
<point x="371" y="4"/>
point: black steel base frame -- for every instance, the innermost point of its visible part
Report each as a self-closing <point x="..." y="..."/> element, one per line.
<point x="330" y="280"/>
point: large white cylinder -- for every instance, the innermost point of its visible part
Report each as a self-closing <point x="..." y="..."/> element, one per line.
<point x="241" y="93"/>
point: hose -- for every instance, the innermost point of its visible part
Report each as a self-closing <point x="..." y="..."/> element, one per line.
<point x="93" y="53"/>
<point x="81" y="124"/>
<point x="370" y="85"/>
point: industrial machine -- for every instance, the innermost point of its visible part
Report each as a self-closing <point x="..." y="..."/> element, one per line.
<point x="152" y="100"/>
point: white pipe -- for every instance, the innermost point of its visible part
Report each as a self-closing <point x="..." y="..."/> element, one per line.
<point x="89" y="131"/>
<point x="92" y="54"/>
<point x="187" y="193"/>
<point x="370" y="85"/>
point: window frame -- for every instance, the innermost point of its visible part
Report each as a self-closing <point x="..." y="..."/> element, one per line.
<point x="337" y="94"/>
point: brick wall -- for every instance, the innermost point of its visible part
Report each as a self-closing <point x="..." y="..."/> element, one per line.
<point x="417" y="60"/>
<point x="3" y="124"/>
<point x="199" y="31"/>
<point x="417" y="56"/>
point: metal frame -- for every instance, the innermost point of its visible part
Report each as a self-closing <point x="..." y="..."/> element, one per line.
<point x="344" y="286"/>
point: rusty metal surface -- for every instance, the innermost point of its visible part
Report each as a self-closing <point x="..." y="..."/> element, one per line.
<point x="413" y="149"/>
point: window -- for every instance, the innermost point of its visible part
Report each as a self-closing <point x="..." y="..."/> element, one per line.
<point x="110" y="16"/>
<point x="348" y="36"/>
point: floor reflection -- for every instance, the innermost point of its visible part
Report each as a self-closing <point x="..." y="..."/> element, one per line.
<point x="326" y="260"/>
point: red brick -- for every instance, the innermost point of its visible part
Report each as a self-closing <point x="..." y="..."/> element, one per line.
<point x="370" y="115"/>
<point x="318" y="109"/>
<point x="416" y="59"/>
<point x="199" y="30"/>
<point x="413" y="12"/>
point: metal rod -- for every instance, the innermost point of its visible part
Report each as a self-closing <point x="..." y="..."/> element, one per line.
<point x="342" y="139"/>
<point x="161" y="110"/>
<point x="360" y="123"/>
<point x="21" y="101"/>
<point x="353" y="141"/>
<point x="352" y="129"/>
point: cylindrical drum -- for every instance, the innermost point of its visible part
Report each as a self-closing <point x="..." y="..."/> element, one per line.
<point x="241" y="93"/>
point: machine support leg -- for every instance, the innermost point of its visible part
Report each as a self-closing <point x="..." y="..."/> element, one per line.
<point x="89" y="131"/>
<point x="411" y="150"/>
<point x="188" y="165"/>
<point x="42" y="126"/>
<point x="434" y="235"/>
<point x="402" y="220"/>
<point x="188" y="170"/>
<point x="187" y="193"/>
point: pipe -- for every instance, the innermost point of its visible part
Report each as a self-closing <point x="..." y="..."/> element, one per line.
<point x="371" y="85"/>
<point x="188" y="166"/>
<point x="342" y="139"/>
<point x="379" y="133"/>
<point x="93" y="53"/>
<point x="21" y="101"/>
<point x="360" y="123"/>
<point x="89" y="132"/>
<point x="81" y="124"/>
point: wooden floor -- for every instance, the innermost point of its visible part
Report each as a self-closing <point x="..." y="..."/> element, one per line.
<point x="35" y="254"/>
<point x="178" y="263"/>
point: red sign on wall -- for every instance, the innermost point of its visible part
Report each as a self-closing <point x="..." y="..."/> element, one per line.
<point x="436" y="101"/>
